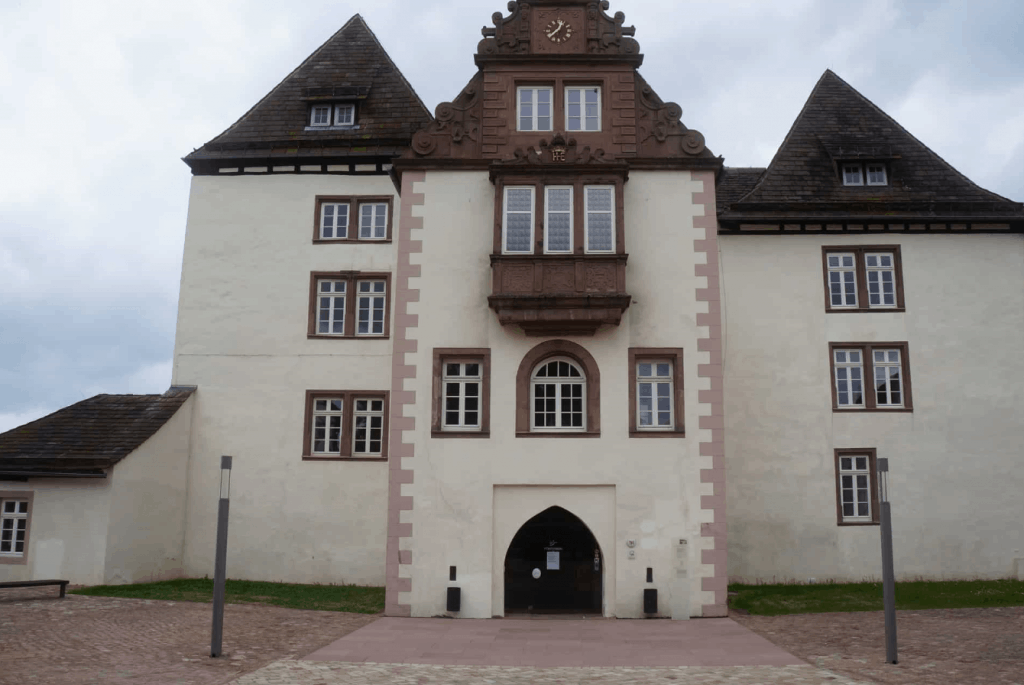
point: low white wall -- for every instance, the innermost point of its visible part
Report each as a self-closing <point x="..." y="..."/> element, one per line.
<point x="147" y="506"/>
<point x="955" y="461"/>
<point x="67" y="531"/>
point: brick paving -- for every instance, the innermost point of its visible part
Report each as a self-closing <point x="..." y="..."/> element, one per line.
<point x="938" y="646"/>
<point x="110" y="641"/>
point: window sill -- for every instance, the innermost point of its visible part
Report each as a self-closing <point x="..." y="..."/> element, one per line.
<point x="13" y="560"/>
<point x="675" y="433"/>
<point x="435" y="433"/>
<point x="552" y="434"/>
<point x="350" y="241"/>
<point x="316" y="336"/>
<point x="862" y="310"/>
<point x="347" y="127"/>
<point x="873" y="410"/>
<point x="860" y="523"/>
<point x="306" y="457"/>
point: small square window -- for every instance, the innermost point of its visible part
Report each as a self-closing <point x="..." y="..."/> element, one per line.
<point x="344" y="115"/>
<point x="320" y="116"/>
<point x="876" y="175"/>
<point x="853" y="175"/>
<point x="334" y="220"/>
<point x="373" y="221"/>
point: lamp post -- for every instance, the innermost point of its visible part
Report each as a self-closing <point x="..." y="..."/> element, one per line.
<point x="888" y="574"/>
<point x="220" y="565"/>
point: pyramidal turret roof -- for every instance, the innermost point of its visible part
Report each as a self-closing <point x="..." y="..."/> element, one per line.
<point x="837" y="125"/>
<point x="352" y="66"/>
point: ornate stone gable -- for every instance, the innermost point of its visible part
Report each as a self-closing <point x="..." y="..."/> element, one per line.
<point x="558" y="45"/>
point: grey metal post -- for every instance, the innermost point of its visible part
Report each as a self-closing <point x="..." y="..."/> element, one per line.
<point x="888" y="572"/>
<point x="220" y="565"/>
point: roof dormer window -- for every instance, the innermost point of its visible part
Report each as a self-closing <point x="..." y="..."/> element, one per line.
<point x="854" y="174"/>
<point x="326" y="116"/>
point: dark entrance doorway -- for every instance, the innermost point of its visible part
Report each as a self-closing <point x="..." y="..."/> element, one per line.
<point x="553" y="566"/>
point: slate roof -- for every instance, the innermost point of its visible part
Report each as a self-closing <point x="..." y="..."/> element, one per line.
<point x="352" y="64"/>
<point x="839" y="124"/>
<point x="734" y="183"/>
<point x="87" y="437"/>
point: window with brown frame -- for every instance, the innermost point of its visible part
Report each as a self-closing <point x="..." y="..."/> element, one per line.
<point x="555" y="216"/>
<point x="863" y="278"/>
<point x="349" y="304"/>
<point x="856" y="487"/>
<point x="870" y="376"/>
<point x="15" y="525"/>
<point x="559" y="401"/>
<point x="656" y="392"/>
<point x="350" y="425"/>
<point x="353" y="218"/>
<point x="461" y="393"/>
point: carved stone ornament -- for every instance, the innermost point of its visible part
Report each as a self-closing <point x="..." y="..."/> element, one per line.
<point x="515" y="34"/>
<point x="660" y="121"/>
<point x="454" y="122"/>
<point x="558" y="151"/>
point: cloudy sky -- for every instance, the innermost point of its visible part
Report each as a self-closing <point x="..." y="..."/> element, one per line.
<point x="101" y="99"/>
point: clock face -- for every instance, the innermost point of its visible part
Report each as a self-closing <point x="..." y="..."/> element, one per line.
<point x="559" y="30"/>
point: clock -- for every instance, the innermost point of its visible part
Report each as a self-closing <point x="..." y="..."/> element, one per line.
<point x="558" y="31"/>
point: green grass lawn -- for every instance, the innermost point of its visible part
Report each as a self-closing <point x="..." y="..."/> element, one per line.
<point x="361" y="600"/>
<point x="776" y="600"/>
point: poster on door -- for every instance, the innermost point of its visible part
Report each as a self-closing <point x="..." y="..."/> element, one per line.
<point x="552" y="560"/>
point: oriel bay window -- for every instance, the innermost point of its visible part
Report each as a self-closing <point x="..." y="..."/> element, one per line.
<point x="560" y="218"/>
<point x="870" y="376"/>
<point x="345" y="424"/>
<point x="349" y="304"/>
<point x="461" y="392"/>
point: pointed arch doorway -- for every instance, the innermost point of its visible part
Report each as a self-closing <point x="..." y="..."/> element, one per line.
<point x="554" y="565"/>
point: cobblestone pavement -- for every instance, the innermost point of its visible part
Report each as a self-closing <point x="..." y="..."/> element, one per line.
<point x="86" y="640"/>
<point x="938" y="646"/>
<point x="290" y="672"/>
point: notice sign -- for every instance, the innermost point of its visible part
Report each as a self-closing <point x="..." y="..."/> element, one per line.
<point x="553" y="560"/>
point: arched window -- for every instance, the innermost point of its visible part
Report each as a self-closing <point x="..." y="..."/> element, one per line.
<point x="558" y="390"/>
<point x="558" y="396"/>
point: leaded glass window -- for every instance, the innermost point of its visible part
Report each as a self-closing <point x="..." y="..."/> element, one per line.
<point x="600" y="218"/>
<point x="558" y="219"/>
<point x="518" y="225"/>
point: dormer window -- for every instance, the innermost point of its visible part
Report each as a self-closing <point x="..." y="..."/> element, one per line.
<point x="854" y="174"/>
<point x="332" y="115"/>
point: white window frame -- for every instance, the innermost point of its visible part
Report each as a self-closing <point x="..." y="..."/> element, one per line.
<point x="586" y="218"/>
<point x="369" y="413"/>
<point x="370" y="296"/>
<point x="867" y="175"/>
<point x="378" y="210"/>
<point x="848" y="366"/>
<point x="880" y="270"/>
<point x="533" y="116"/>
<point x="858" y="168"/>
<point x="320" y="108"/>
<point x="887" y="378"/>
<point x="461" y="380"/>
<point x="339" y="115"/>
<point x="323" y="216"/>
<point x="14" y="517"/>
<point x="330" y="415"/>
<point x="505" y="214"/>
<point x="547" y="218"/>
<point x="583" y="110"/>
<point x="334" y="295"/>
<point x="560" y="383"/>
<point x="854" y="473"/>
<point x="842" y="269"/>
<point x="654" y="380"/>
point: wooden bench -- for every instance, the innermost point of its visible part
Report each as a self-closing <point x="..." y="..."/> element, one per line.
<point x="37" y="583"/>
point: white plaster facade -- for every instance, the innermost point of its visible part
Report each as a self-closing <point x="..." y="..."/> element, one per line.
<point x="955" y="477"/>
<point x="242" y="338"/>
<point x="471" y="496"/>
